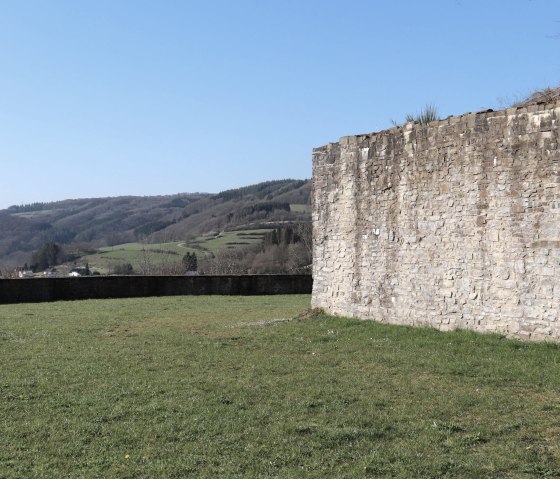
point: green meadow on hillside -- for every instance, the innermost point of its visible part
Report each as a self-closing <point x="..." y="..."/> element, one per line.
<point x="108" y="257"/>
<point x="137" y="254"/>
<point x="228" y="239"/>
<point x="300" y="208"/>
<point x="229" y="387"/>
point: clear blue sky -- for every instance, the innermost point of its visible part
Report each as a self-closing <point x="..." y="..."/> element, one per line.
<point x="108" y="98"/>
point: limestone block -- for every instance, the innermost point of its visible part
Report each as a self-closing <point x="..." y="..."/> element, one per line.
<point x="519" y="266"/>
<point x="511" y="312"/>
<point x="505" y="284"/>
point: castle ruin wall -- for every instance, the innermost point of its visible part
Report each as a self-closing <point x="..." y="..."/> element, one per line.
<point x="454" y="224"/>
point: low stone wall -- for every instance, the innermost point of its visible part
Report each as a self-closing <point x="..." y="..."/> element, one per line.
<point x="100" y="287"/>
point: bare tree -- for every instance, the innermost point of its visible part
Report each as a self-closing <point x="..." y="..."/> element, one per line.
<point x="159" y="261"/>
<point x="9" y="271"/>
<point x="305" y="232"/>
<point x="299" y="259"/>
<point x="227" y="261"/>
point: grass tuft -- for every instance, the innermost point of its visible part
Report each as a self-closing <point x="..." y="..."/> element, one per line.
<point x="427" y="115"/>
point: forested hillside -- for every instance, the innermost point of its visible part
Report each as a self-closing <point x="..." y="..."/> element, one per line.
<point x="84" y="224"/>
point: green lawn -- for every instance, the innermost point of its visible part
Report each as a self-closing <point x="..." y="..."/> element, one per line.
<point x="213" y="387"/>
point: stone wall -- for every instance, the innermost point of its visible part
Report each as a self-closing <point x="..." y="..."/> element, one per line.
<point x="454" y="224"/>
<point x="99" y="287"/>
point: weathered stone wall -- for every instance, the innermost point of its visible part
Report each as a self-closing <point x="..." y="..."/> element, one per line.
<point x="454" y="224"/>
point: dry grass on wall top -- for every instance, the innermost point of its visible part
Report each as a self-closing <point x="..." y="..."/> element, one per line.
<point x="545" y="95"/>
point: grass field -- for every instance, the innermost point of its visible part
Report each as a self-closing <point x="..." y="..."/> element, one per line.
<point x="213" y="387"/>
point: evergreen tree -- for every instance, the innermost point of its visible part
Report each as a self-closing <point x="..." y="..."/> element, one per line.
<point x="190" y="262"/>
<point x="48" y="255"/>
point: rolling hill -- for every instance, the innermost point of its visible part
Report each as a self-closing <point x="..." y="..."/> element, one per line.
<point x="86" y="224"/>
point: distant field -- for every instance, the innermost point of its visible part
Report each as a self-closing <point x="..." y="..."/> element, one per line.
<point x="300" y="208"/>
<point x="137" y="253"/>
<point x="34" y="214"/>
<point x="229" y="239"/>
<point x="223" y="387"/>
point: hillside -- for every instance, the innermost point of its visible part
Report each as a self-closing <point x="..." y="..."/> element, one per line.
<point x="95" y="222"/>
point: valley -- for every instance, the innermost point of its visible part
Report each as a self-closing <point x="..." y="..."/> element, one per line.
<point x="152" y="235"/>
